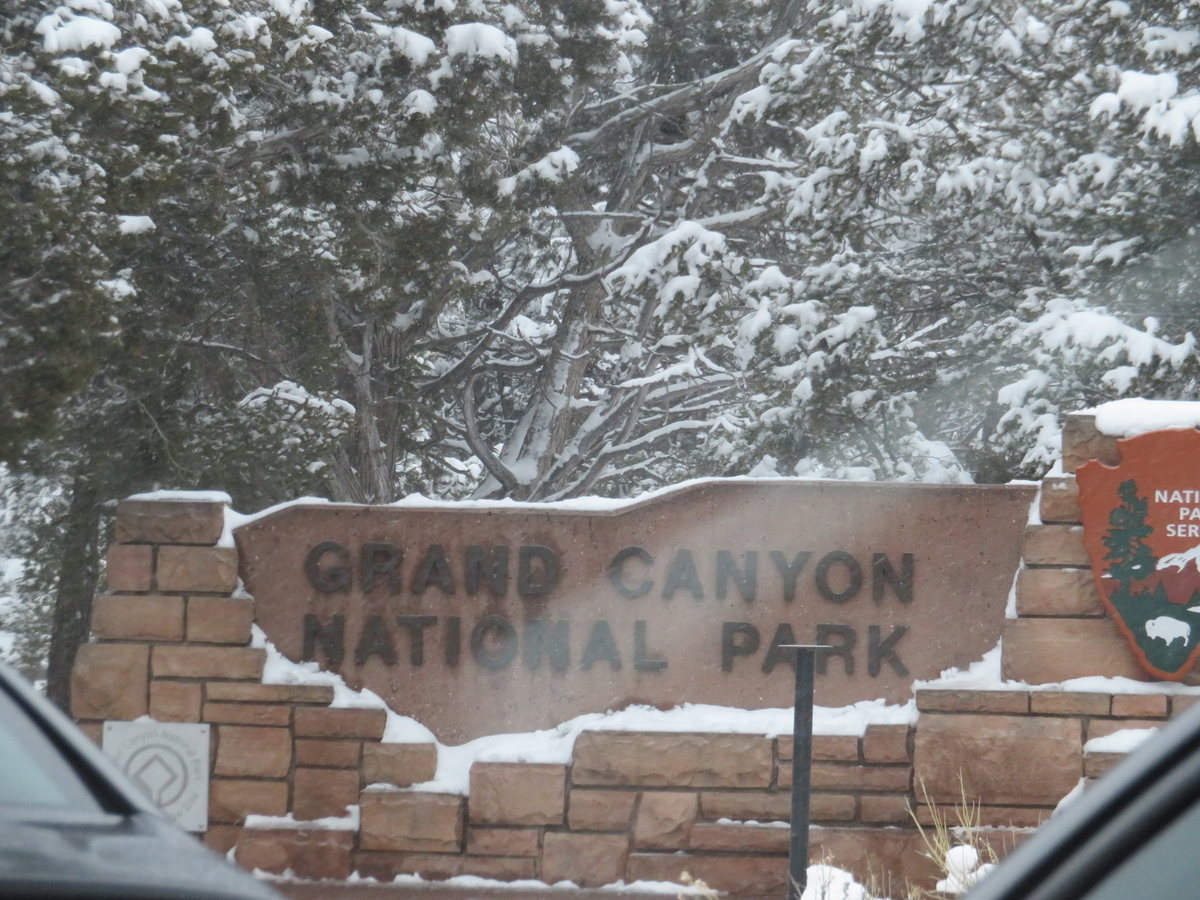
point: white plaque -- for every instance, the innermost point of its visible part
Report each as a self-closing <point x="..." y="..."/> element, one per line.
<point x="167" y="760"/>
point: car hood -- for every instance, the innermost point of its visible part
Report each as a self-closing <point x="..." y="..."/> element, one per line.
<point x="110" y="856"/>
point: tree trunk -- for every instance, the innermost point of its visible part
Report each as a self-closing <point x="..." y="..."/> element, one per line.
<point x="75" y="586"/>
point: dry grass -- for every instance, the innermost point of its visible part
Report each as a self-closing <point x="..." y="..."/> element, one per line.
<point x="941" y="836"/>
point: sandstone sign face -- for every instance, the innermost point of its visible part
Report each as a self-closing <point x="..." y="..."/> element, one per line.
<point x="489" y="619"/>
<point x="1142" y="530"/>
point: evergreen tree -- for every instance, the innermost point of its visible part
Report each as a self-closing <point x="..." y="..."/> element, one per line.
<point x="538" y="250"/>
<point x="1129" y="557"/>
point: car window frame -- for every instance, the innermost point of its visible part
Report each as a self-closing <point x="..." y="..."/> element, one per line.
<point x="115" y="804"/>
<point x="1124" y="833"/>
<point x="1085" y="841"/>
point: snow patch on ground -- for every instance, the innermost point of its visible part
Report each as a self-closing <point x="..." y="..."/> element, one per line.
<point x="1135" y="415"/>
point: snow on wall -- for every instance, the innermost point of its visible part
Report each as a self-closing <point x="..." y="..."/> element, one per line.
<point x="1134" y="415"/>
<point x="556" y="745"/>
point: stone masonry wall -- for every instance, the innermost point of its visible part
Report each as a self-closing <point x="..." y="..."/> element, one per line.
<point x="1018" y="752"/>
<point x="171" y="640"/>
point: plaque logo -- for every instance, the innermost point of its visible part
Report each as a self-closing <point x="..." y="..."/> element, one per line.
<point x="169" y="762"/>
<point x="1142" y="531"/>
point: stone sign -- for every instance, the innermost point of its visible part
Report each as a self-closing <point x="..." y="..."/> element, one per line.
<point x="1141" y="522"/>
<point x="492" y="619"/>
<point x="167" y="761"/>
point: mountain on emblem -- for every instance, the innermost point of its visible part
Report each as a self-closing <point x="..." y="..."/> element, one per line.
<point x="1141" y="527"/>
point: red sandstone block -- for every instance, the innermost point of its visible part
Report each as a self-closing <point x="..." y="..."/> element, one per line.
<point x="932" y="700"/>
<point x="503" y="841"/>
<point x="174" y="701"/>
<point x="329" y="754"/>
<point x="672" y="760"/>
<point x="886" y="744"/>
<point x="589" y="860"/>
<point x="1097" y="764"/>
<point x="1058" y="592"/>
<point x="833" y="777"/>
<point x="109" y="681"/>
<point x="1001" y="760"/>
<point x="251" y="752"/>
<point x="318" y="793"/>
<point x="1041" y="651"/>
<point x="754" y="876"/>
<point x="411" y="820"/>
<point x="146" y="618"/>
<point x="364" y="724"/>
<point x="318" y="694"/>
<point x="829" y="808"/>
<point x="219" y="620"/>
<point x="1147" y="706"/>
<point x="831" y="747"/>
<point x="870" y="851"/>
<point x="1054" y="545"/>
<point x="783" y="776"/>
<point x="1069" y="703"/>
<point x="169" y="522"/>
<point x="385" y="866"/>
<point x="202" y="570"/>
<point x="220" y="839"/>
<point x="1059" y="500"/>
<point x="188" y="661"/>
<point x="129" y="568"/>
<point x="399" y="764"/>
<point x="761" y="806"/>
<point x="275" y="714"/>
<point x="884" y="809"/>
<point x="231" y="800"/>
<point x="309" y="852"/>
<point x="664" y="820"/>
<point x="1081" y="441"/>
<point x="517" y="793"/>
<point x="600" y="810"/>
<point x="740" y="838"/>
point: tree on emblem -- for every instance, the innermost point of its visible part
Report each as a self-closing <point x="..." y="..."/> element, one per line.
<point x="1131" y="558"/>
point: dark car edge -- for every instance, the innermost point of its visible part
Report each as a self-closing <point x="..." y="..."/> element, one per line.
<point x="1131" y="835"/>
<point x="97" y="836"/>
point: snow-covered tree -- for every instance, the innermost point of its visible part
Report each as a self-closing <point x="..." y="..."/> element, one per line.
<point x="538" y="249"/>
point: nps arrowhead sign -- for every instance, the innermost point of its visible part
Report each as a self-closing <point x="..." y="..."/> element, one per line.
<point x="1141" y="523"/>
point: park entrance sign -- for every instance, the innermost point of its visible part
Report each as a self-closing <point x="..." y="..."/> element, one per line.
<point x="1142" y="530"/>
<point x="488" y="618"/>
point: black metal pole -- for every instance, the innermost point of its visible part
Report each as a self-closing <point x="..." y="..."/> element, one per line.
<point x="806" y="655"/>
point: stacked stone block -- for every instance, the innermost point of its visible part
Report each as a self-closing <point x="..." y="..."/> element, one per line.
<point x="170" y="639"/>
<point x="1062" y="631"/>
<point x="635" y="806"/>
<point x="1016" y="753"/>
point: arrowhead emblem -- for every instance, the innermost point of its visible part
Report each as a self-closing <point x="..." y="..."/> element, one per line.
<point x="1141" y="527"/>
